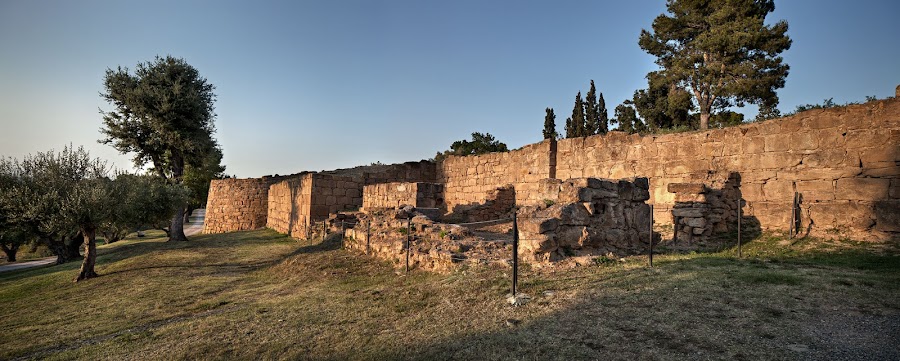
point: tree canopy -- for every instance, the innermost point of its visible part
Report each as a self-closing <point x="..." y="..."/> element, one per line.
<point x="481" y="143"/>
<point x="60" y="197"/>
<point x="722" y="51"/>
<point x="550" y="124"/>
<point x="163" y="113"/>
<point x="663" y="105"/>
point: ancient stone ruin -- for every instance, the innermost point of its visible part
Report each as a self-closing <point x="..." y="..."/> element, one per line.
<point x="587" y="216"/>
<point x="830" y="172"/>
<point x="701" y="211"/>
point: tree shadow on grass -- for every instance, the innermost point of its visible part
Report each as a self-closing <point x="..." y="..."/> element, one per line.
<point x="109" y="255"/>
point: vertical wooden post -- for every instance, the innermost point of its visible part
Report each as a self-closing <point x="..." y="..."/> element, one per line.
<point x="324" y="231"/>
<point x="651" y="235"/>
<point x="308" y="224"/>
<point x="515" y="254"/>
<point x="675" y="230"/>
<point x="408" y="234"/>
<point x="343" y="230"/>
<point x="793" y="215"/>
<point x="368" y="235"/>
<point x="739" y="216"/>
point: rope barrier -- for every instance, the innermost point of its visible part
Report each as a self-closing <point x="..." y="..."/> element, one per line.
<point x="481" y="222"/>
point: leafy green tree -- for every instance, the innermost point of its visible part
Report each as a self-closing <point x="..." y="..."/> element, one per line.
<point x="627" y="119"/>
<point x="663" y="105"/>
<point x="197" y="179"/>
<point x="722" y="51"/>
<point x="163" y="114"/>
<point x="11" y="235"/>
<point x="143" y="202"/>
<point x="33" y="193"/>
<point x="481" y="143"/>
<point x="60" y="194"/>
<point x="550" y="124"/>
<point x="726" y="118"/>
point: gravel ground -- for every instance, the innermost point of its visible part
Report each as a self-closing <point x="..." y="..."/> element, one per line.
<point x="853" y="337"/>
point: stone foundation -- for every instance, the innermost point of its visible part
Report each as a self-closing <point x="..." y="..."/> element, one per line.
<point x="700" y="211"/>
<point x="587" y="216"/>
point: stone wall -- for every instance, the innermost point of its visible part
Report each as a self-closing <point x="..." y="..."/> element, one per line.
<point x="396" y="194"/>
<point x="298" y="202"/>
<point x="587" y="217"/>
<point x="237" y="204"/>
<point x="843" y="161"/>
<point x="473" y="179"/>
<point x="700" y="211"/>
<point x="289" y="206"/>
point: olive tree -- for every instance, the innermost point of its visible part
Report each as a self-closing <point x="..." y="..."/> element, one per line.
<point x="163" y="114"/>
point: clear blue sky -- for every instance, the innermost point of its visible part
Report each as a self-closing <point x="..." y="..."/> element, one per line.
<point x="313" y="85"/>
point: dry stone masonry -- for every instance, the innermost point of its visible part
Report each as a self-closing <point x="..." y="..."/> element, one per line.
<point x="587" y="216"/>
<point x="843" y="162"/>
<point x="700" y="211"/>
<point x="396" y="194"/>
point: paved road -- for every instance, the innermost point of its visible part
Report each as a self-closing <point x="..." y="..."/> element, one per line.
<point x="194" y="226"/>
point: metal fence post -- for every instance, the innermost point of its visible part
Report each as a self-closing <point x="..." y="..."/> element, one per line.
<point x="793" y="216"/>
<point x="307" y="225"/>
<point x="408" y="234"/>
<point x="739" y="216"/>
<point x="515" y="254"/>
<point x="675" y="230"/>
<point x="651" y="235"/>
<point x="324" y="231"/>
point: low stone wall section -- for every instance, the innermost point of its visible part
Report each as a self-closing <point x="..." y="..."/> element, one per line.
<point x="397" y="194"/>
<point x="471" y="180"/>
<point x="587" y="217"/>
<point x="237" y="204"/>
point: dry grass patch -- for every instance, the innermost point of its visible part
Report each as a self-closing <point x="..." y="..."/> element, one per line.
<point x="254" y="295"/>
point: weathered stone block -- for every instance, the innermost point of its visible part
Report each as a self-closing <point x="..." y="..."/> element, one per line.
<point x="778" y="142"/>
<point x="887" y="216"/>
<point x="690" y="188"/>
<point x="866" y="189"/>
<point x="816" y="190"/>
<point x="685" y="213"/>
<point x="804" y="141"/>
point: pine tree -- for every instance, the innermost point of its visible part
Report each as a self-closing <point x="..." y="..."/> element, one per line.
<point x="550" y="124"/>
<point x="591" y="116"/>
<point x="722" y="50"/>
<point x="627" y="119"/>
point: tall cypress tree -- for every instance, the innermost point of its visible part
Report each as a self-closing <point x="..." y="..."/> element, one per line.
<point x="570" y="128"/>
<point x="602" y="115"/>
<point x="578" y="117"/>
<point x="550" y="124"/>
<point x="592" y="117"/>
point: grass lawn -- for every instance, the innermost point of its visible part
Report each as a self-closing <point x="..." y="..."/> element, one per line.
<point x="261" y="295"/>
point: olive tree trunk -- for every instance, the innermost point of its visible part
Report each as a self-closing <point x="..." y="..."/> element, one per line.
<point x="90" y="254"/>
<point x="176" y="229"/>
<point x="10" y="252"/>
